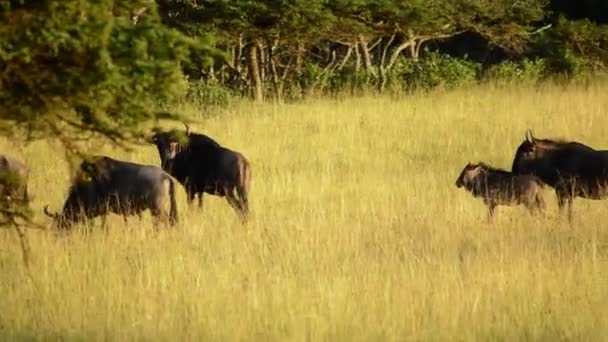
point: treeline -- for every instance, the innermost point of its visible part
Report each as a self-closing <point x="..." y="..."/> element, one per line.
<point x="117" y="60"/>
<point x="289" y="48"/>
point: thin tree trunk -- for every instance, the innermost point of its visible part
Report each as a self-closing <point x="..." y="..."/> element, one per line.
<point x="357" y="58"/>
<point x="238" y="54"/>
<point x="212" y="73"/>
<point x="299" y="59"/>
<point x="253" y="65"/>
<point x="396" y="53"/>
<point x="276" y="82"/>
<point x="263" y="60"/>
<point x="383" y="69"/>
<point x="345" y="59"/>
<point x="367" y="60"/>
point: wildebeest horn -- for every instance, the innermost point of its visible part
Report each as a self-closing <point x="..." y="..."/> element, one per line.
<point x="529" y="136"/>
<point x="187" y="128"/>
<point x="46" y="211"/>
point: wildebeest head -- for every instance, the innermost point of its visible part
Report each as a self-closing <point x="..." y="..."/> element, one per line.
<point x="81" y="200"/>
<point x="84" y="194"/>
<point x="526" y="154"/>
<point x="96" y="169"/>
<point x="169" y="143"/>
<point x="468" y="175"/>
<point x="533" y="154"/>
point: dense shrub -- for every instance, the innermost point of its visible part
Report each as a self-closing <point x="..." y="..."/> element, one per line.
<point x="435" y="70"/>
<point x="209" y="93"/>
<point x="508" y="72"/>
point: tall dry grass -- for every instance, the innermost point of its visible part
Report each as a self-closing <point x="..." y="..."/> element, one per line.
<point x="357" y="233"/>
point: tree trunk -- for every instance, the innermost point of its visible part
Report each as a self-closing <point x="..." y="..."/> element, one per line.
<point x="262" y="61"/>
<point x="238" y="53"/>
<point x="383" y="65"/>
<point x="357" y="58"/>
<point x="253" y="66"/>
<point x="345" y="59"/>
<point x="367" y="60"/>
<point x="274" y="74"/>
<point x="299" y="59"/>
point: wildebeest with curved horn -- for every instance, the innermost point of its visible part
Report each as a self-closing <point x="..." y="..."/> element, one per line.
<point x="572" y="168"/>
<point x="202" y="165"/>
<point x="13" y="180"/>
<point x="105" y="185"/>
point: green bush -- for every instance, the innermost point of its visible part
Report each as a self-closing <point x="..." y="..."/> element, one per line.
<point x="209" y="93"/>
<point x="435" y="70"/>
<point x="352" y="80"/>
<point x="508" y="72"/>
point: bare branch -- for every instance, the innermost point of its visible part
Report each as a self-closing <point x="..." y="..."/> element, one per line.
<point x="385" y="51"/>
<point x="345" y="58"/>
<point x="539" y="30"/>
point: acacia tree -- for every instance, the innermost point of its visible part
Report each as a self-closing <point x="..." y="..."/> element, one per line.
<point x="69" y="68"/>
<point x="265" y="40"/>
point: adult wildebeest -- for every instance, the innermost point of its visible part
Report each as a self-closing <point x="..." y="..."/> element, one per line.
<point x="572" y="168"/>
<point x="105" y="185"/>
<point x="202" y="165"/>
<point x="13" y="180"/>
<point x="500" y="187"/>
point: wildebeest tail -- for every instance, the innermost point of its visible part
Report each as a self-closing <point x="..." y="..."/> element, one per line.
<point x="244" y="181"/>
<point x="173" y="210"/>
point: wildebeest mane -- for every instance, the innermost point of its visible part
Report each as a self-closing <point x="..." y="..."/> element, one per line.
<point x="492" y="168"/>
<point x="558" y="143"/>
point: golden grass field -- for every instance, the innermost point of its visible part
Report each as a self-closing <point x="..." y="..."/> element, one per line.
<point x="357" y="233"/>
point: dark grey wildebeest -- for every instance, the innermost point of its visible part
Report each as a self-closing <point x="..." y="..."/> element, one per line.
<point x="571" y="168"/>
<point x="105" y="185"/>
<point x="202" y="165"/>
<point x="500" y="187"/>
<point x="13" y="180"/>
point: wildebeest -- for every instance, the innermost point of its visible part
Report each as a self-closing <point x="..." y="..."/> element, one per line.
<point x="202" y="165"/>
<point x="500" y="187"/>
<point x="105" y="185"/>
<point x="572" y="168"/>
<point x="13" y="180"/>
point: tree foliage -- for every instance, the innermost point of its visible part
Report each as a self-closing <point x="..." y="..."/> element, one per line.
<point x="69" y="67"/>
<point x="279" y="47"/>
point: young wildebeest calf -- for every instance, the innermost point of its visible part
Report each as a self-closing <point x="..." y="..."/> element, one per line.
<point x="500" y="187"/>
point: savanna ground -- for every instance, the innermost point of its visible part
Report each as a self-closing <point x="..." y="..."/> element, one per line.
<point x="357" y="233"/>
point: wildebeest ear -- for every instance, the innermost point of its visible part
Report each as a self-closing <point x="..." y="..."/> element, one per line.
<point x="529" y="136"/>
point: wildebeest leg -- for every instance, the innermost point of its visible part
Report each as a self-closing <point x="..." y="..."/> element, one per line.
<point x="243" y="200"/>
<point x="104" y="223"/>
<point x="200" y="200"/>
<point x="190" y="196"/>
<point x="532" y="207"/>
<point x="537" y="206"/>
<point x="562" y="198"/>
<point x="157" y="217"/>
<point x="491" y="207"/>
<point x="234" y="203"/>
